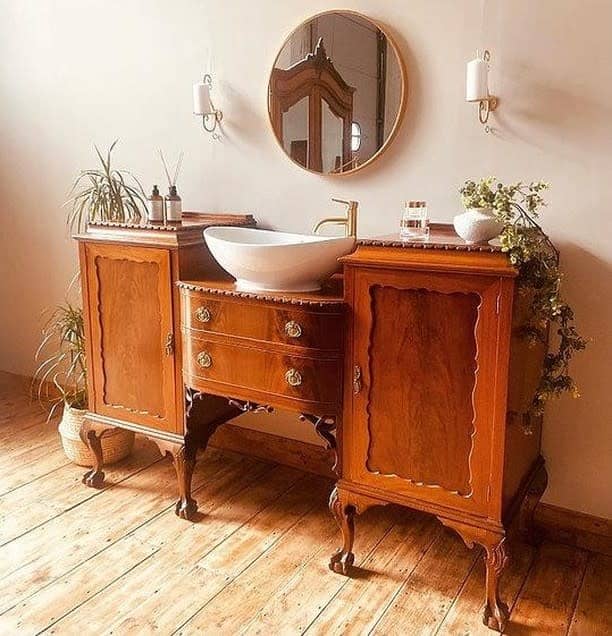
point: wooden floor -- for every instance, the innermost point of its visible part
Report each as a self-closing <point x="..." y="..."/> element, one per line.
<point x="117" y="561"/>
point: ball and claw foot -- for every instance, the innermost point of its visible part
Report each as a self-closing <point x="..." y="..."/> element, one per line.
<point x="497" y="617"/>
<point x="93" y="478"/>
<point x="341" y="562"/>
<point x="186" y="509"/>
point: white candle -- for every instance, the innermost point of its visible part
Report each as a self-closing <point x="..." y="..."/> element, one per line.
<point x="201" y="99"/>
<point x="476" y="81"/>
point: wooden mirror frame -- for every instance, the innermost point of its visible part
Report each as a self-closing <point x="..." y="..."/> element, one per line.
<point x="335" y="90"/>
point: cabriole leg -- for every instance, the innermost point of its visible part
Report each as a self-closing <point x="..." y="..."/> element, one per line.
<point x="495" y="611"/>
<point x="344" y="558"/>
<point x="183" y="458"/>
<point x="493" y="541"/>
<point x="93" y="478"/>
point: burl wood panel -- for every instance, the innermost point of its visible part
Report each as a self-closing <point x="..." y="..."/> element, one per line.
<point x="130" y="310"/>
<point x="423" y="430"/>
<point x="131" y="343"/>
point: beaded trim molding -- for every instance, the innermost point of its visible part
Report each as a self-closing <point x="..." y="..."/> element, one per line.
<point x="234" y="293"/>
<point x="424" y="245"/>
<point x="139" y="226"/>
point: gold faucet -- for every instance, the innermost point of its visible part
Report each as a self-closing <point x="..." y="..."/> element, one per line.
<point x="349" y="221"/>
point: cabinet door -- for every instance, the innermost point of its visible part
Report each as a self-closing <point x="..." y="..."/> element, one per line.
<point x="131" y="329"/>
<point x="422" y="420"/>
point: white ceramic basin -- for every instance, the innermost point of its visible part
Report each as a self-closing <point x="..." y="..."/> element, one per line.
<point x="262" y="260"/>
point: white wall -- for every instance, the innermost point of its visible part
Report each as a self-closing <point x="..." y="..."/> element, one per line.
<point x="75" y="72"/>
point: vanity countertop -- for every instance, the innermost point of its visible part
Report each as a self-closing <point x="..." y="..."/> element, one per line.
<point x="188" y="231"/>
<point x="330" y="295"/>
<point x="442" y="236"/>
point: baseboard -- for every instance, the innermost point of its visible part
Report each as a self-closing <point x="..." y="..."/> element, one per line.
<point x="281" y="450"/>
<point x="556" y="524"/>
<point x="574" y="528"/>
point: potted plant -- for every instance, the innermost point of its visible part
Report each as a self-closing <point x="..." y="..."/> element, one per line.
<point x="105" y="195"/>
<point x="109" y="195"/>
<point x="61" y="382"/>
<point x="478" y="224"/>
<point x="516" y="207"/>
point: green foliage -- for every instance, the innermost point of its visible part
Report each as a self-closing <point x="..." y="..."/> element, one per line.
<point x="531" y="251"/>
<point x="106" y="194"/>
<point x="62" y="373"/>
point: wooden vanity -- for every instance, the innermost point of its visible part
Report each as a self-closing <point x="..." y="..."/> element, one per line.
<point x="410" y="358"/>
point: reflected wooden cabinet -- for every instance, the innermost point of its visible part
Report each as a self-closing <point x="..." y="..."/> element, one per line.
<point x="429" y="421"/>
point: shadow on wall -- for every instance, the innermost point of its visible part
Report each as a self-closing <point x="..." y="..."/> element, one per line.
<point x="552" y="118"/>
<point x="587" y="287"/>
<point x="241" y="122"/>
<point x="575" y="429"/>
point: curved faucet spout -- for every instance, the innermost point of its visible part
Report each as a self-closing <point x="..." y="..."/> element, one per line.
<point x="331" y="221"/>
<point x="349" y="221"/>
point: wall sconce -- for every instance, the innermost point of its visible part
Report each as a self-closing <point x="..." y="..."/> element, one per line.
<point x="203" y="106"/>
<point x="477" y="86"/>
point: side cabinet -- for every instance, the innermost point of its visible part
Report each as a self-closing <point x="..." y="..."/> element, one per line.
<point x="132" y="371"/>
<point x="423" y="421"/>
<point x="428" y="420"/>
<point x="132" y="320"/>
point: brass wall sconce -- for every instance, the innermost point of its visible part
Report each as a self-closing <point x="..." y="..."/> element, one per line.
<point x="203" y="106"/>
<point x="477" y="86"/>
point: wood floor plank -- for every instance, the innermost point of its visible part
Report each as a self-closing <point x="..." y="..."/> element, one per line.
<point x="164" y="525"/>
<point x="251" y="537"/>
<point x="54" y="601"/>
<point x="36" y="434"/>
<point x="306" y="548"/>
<point x="428" y="593"/>
<point x="465" y="615"/>
<point x="119" y="562"/>
<point x="26" y="508"/>
<point x="30" y="455"/>
<point x="546" y="602"/>
<point x="593" y="614"/>
<point x="133" y="502"/>
<point x="362" y="600"/>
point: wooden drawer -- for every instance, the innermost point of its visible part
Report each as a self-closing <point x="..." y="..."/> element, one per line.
<point x="297" y="326"/>
<point x="287" y="380"/>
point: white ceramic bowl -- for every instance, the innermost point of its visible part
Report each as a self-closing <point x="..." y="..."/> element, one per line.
<point x="263" y="260"/>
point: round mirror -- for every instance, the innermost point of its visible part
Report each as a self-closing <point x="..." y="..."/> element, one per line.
<point x="336" y="93"/>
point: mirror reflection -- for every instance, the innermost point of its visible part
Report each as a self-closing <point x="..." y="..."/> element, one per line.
<point x="336" y="92"/>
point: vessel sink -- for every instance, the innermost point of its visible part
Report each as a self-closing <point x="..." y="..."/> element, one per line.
<point x="263" y="260"/>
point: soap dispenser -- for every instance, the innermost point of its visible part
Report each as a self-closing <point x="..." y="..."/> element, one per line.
<point x="156" y="206"/>
<point x="174" y="206"/>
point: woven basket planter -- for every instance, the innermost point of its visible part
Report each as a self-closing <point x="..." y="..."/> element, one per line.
<point x="117" y="443"/>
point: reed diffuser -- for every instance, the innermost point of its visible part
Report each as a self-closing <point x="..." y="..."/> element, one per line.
<point x="174" y="204"/>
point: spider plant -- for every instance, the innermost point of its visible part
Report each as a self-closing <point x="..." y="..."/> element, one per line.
<point x="61" y="375"/>
<point x="105" y="194"/>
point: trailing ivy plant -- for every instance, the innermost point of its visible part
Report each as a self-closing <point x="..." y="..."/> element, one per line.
<point x="517" y="206"/>
<point x="105" y="194"/>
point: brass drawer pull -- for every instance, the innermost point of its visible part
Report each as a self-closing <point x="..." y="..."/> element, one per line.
<point x="293" y="329"/>
<point x="293" y="377"/>
<point x="204" y="360"/>
<point x="203" y="314"/>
